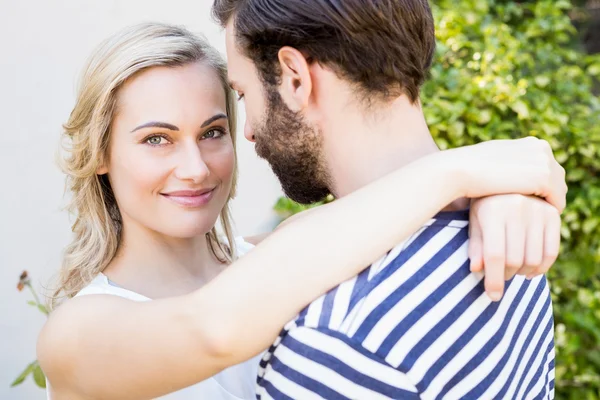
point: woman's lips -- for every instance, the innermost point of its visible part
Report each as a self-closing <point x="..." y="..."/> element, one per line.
<point x="190" y="198"/>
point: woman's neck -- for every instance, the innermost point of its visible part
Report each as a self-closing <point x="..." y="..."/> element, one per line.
<point x="156" y="266"/>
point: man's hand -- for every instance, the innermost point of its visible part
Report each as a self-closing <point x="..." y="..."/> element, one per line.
<point x="512" y="234"/>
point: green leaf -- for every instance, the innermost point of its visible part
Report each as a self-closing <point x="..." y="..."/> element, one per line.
<point x="563" y="4"/>
<point x="521" y="109"/>
<point x="561" y="156"/>
<point x="32" y="303"/>
<point x="576" y="174"/>
<point x="43" y="309"/>
<point x="590" y="225"/>
<point x="594" y="357"/>
<point x="484" y="117"/>
<point x="39" y="377"/>
<point x="594" y="69"/>
<point x="457" y="129"/>
<point x="542" y="81"/>
<point x="21" y="378"/>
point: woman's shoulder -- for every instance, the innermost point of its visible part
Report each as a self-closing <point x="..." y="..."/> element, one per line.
<point x="102" y="285"/>
<point x="59" y="342"/>
<point x="71" y="314"/>
<point x="94" y="296"/>
<point x="252" y="241"/>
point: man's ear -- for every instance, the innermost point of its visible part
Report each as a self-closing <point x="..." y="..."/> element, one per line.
<point x="296" y="81"/>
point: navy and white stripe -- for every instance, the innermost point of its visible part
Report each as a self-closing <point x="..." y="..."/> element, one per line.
<point x="417" y="324"/>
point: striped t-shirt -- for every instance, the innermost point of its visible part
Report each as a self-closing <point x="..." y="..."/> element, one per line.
<point x="417" y="324"/>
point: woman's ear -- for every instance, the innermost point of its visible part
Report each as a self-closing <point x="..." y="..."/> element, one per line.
<point x="296" y="80"/>
<point x="102" y="169"/>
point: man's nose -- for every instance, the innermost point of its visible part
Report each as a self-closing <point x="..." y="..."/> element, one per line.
<point x="249" y="132"/>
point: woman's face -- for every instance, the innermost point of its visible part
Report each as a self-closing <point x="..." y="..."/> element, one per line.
<point x="171" y="157"/>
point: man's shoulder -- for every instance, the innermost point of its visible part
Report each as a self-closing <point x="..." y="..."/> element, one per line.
<point x="437" y="249"/>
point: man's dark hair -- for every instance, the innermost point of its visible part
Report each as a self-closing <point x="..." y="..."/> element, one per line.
<point x="384" y="47"/>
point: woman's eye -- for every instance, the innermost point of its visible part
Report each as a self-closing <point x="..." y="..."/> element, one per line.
<point x="156" y="140"/>
<point x="213" y="134"/>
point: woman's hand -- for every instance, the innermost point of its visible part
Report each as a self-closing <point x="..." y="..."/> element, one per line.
<point x="525" y="166"/>
<point x="512" y="234"/>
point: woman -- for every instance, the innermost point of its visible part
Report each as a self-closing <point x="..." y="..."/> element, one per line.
<point x="151" y="165"/>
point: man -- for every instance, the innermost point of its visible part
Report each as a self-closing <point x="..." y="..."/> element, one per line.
<point x="332" y="101"/>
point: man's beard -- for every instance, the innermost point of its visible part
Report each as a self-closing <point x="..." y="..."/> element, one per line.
<point x="294" y="151"/>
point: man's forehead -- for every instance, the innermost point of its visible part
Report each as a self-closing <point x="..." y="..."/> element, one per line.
<point x="236" y="72"/>
<point x="232" y="75"/>
<point x="237" y="63"/>
<point x="230" y="33"/>
<point x="230" y="47"/>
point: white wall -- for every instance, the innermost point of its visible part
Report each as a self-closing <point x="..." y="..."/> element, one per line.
<point x="43" y="45"/>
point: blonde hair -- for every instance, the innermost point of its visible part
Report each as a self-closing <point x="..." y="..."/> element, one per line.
<point x="97" y="227"/>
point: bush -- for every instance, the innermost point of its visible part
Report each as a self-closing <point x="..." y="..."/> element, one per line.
<point x="507" y="69"/>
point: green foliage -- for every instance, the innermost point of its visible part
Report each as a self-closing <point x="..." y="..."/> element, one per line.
<point x="33" y="368"/>
<point x="507" y="69"/>
<point x="285" y="207"/>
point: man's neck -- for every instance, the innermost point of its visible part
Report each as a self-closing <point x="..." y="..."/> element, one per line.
<point x="362" y="147"/>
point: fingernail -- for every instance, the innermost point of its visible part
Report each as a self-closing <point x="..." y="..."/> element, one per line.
<point x="495" y="296"/>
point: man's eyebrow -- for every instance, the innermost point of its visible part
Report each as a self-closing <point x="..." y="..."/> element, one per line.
<point x="156" y="124"/>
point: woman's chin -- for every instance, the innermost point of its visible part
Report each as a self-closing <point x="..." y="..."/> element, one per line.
<point x="188" y="232"/>
<point x="189" y="229"/>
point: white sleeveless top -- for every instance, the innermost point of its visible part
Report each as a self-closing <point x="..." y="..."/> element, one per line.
<point x="234" y="383"/>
